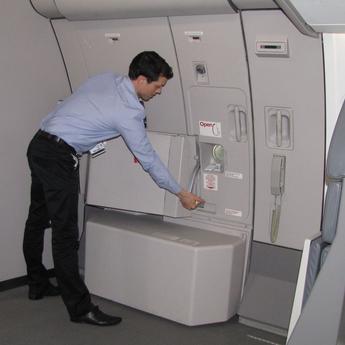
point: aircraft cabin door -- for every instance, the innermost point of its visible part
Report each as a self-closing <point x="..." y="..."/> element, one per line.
<point x="214" y="75"/>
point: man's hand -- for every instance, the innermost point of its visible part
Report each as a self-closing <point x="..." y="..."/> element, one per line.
<point x="189" y="200"/>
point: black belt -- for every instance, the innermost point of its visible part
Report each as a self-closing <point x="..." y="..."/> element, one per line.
<point x="55" y="138"/>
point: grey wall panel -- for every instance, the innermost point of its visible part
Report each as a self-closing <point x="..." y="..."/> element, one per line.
<point x="214" y="76"/>
<point x="72" y="53"/>
<point x="294" y="85"/>
<point x="111" y="45"/>
<point x="32" y="80"/>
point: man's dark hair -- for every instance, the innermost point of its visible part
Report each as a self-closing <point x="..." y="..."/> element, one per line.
<point x="150" y="65"/>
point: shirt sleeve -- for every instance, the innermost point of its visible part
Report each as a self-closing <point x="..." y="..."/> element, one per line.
<point x="134" y="134"/>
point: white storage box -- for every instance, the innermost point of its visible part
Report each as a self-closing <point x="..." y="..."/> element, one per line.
<point x="185" y="274"/>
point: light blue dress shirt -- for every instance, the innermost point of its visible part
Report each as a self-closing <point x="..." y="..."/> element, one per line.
<point x="104" y="107"/>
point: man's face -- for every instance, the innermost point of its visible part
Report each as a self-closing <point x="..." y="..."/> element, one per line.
<point x="148" y="90"/>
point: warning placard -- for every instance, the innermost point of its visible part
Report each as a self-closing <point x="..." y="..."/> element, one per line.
<point x="211" y="182"/>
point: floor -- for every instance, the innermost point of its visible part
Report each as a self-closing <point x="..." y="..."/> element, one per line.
<point x="45" y="322"/>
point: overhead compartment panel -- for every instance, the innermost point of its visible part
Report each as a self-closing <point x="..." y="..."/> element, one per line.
<point x="46" y="8"/>
<point x="254" y="4"/>
<point x="322" y="16"/>
<point x="117" y="9"/>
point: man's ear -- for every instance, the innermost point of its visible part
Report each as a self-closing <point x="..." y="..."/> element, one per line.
<point x="142" y="79"/>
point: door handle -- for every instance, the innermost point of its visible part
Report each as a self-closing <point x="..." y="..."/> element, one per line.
<point x="238" y="114"/>
<point x="279" y="130"/>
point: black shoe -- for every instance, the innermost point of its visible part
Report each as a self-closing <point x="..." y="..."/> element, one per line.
<point x="97" y="317"/>
<point x="48" y="290"/>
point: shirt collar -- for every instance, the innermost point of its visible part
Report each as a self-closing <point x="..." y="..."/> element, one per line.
<point x="127" y="92"/>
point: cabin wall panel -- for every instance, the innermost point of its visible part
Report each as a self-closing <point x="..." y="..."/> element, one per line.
<point x="32" y="80"/>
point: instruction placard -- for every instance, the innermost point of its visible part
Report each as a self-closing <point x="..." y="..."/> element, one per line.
<point x="210" y="129"/>
<point x="232" y="212"/>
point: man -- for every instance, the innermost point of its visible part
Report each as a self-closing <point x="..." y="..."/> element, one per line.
<point x="104" y="107"/>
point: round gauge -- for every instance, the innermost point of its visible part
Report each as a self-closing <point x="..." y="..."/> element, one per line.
<point x="218" y="153"/>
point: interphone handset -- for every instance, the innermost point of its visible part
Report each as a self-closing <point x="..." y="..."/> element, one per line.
<point x="277" y="190"/>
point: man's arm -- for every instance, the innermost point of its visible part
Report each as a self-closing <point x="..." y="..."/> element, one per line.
<point x="135" y="136"/>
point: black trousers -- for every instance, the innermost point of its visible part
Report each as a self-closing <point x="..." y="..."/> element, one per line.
<point x="54" y="203"/>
